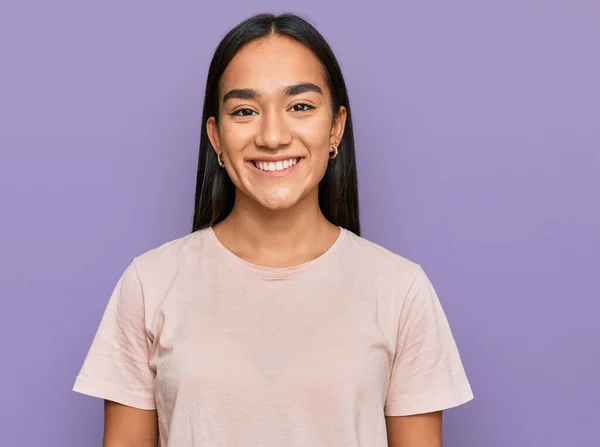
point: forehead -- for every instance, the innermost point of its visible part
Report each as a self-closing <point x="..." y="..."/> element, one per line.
<point x="270" y="63"/>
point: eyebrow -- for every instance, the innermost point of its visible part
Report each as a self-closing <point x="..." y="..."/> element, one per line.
<point x="291" y="90"/>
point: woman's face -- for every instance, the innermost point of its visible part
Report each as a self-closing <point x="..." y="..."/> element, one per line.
<point x="276" y="125"/>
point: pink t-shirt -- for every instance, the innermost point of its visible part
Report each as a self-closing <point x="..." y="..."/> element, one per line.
<point x="231" y="354"/>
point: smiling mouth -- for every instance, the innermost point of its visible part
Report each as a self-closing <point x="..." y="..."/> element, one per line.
<point x="275" y="166"/>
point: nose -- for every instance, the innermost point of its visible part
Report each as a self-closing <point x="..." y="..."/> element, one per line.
<point x="274" y="130"/>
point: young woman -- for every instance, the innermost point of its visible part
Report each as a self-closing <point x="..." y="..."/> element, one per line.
<point x="274" y="323"/>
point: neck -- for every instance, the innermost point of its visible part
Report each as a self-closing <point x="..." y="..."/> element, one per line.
<point x="277" y="238"/>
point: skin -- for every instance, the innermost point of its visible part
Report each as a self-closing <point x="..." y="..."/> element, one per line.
<point x="419" y="430"/>
<point x="129" y="427"/>
<point x="276" y="220"/>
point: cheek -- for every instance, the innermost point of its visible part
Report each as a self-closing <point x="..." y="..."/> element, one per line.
<point x="315" y="135"/>
<point x="235" y="137"/>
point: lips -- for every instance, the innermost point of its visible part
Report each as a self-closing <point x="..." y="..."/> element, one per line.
<point x="274" y="166"/>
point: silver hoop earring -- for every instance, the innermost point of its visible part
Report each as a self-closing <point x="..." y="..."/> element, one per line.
<point x="220" y="161"/>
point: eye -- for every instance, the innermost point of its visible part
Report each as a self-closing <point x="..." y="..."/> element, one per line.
<point x="243" y="112"/>
<point x="301" y="107"/>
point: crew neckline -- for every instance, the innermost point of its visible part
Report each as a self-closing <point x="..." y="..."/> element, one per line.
<point x="277" y="272"/>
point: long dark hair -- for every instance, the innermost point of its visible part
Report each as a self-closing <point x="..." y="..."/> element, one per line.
<point x="338" y="190"/>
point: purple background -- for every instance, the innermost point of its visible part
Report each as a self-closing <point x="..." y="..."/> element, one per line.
<point x="478" y="138"/>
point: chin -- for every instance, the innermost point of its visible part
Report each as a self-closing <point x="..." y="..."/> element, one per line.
<point x="279" y="202"/>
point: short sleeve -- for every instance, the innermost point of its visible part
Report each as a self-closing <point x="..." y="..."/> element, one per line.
<point x="427" y="372"/>
<point x="117" y="365"/>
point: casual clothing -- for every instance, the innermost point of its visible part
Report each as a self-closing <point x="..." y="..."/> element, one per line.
<point x="232" y="354"/>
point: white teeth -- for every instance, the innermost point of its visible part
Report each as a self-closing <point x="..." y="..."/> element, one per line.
<point x="275" y="166"/>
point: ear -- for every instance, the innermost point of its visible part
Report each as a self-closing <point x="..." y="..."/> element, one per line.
<point x="212" y="130"/>
<point x="339" y="124"/>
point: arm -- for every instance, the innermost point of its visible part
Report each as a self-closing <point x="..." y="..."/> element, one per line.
<point x="420" y="430"/>
<point x="129" y="427"/>
<point x="427" y="375"/>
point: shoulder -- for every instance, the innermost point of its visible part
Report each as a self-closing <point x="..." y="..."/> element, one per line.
<point x="387" y="265"/>
<point x="379" y="274"/>
<point x="170" y="257"/>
